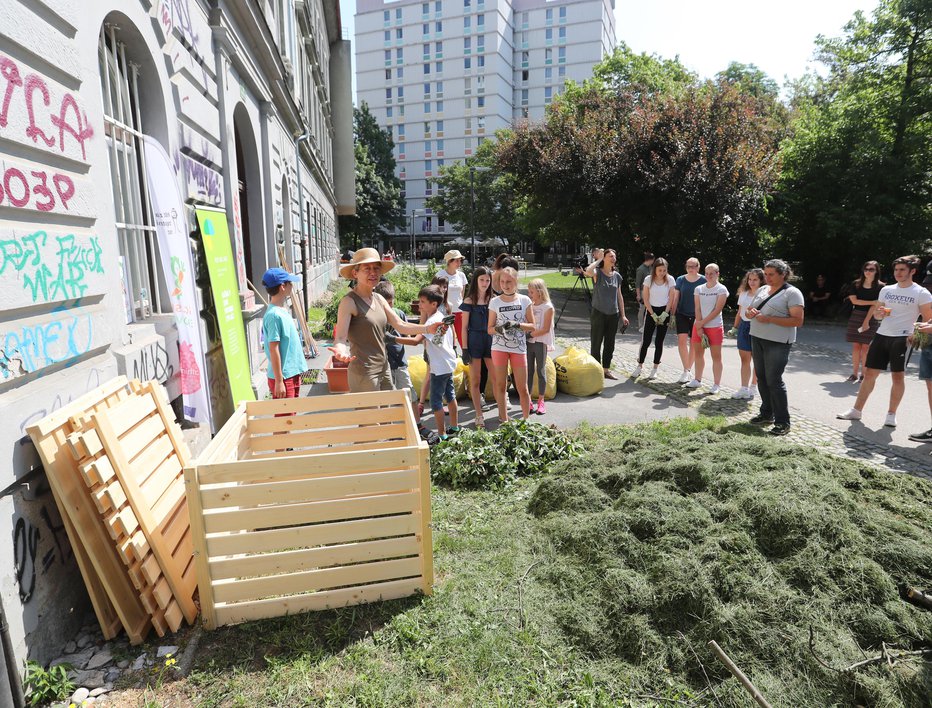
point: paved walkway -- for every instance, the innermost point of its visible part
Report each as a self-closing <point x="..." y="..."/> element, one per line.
<point x="815" y="376"/>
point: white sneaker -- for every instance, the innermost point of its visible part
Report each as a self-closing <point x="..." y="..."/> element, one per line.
<point x="684" y="377"/>
<point x="890" y="420"/>
<point x="752" y="391"/>
<point x="741" y="393"/>
<point x="652" y="374"/>
<point x="714" y="389"/>
<point x="637" y="372"/>
<point x="851" y="414"/>
<point x="695" y="383"/>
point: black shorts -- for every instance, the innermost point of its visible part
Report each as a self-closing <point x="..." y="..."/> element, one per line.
<point x="479" y="344"/>
<point x="886" y="351"/>
<point x="684" y="323"/>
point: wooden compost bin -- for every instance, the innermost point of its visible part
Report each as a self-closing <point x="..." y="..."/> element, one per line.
<point x="311" y="503"/>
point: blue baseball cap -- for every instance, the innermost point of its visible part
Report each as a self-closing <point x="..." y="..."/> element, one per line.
<point x="277" y="276"/>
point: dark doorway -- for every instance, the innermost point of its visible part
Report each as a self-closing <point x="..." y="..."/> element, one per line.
<point x="242" y="187"/>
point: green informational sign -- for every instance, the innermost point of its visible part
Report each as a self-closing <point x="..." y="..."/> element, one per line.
<point x="222" y="269"/>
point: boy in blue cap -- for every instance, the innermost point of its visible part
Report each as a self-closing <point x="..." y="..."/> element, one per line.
<point x="282" y="343"/>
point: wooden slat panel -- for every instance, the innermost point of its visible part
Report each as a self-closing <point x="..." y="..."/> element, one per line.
<point x="158" y="621"/>
<point x="231" y="431"/>
<point x="361" y="434"/>
<point x="139" y="546"/>
<point x="269" y="563"/>
<point x="56" y="420"/>
<point x="150" y="459"/>
<point x="168" y="474"/>
<point x="357" y="447"/>
<point x="84" y="445"/>
<point x="276" y="607"/>
<point x="339" y="532"/>
<point x="345" y="401"/>
<point x="160" y="397"/>
<point x="165" y="506"/>
<point x="151" y="570"/>
<point x="318" y="488"/>
<point x="122" y="523"/>
<point x="315" y="421"/>
<point x="313" y="512"/>
<point x="108" y="498"/>
<point x="137" y="439"/>
<point x="177" y="526"/>
<point x="329" y="464"/>
<point x="196" y="513"/>
<point x="148" y="601"/>
<point x="162" y="593"/>
<point x="131" y="411"/>
<point x="426" y="535"/>
<point x="173" y="616"/>
<point x="150" y="519"/>
<point x="323" y="579"/>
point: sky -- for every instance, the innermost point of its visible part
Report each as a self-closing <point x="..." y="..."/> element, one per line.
<point x="776" y="35"/>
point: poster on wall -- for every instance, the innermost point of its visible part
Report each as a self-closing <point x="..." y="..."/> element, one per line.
<point x="178" y="271"/>
<point x="221" y="267"/>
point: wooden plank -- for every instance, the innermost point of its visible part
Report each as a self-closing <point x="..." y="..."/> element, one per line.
<point x="426" y="535"/>
<point x="108" y="498"/>
<point x="97" y="471"/>
<point x="84" y="444"/>
<point x="151" y="570"/>
<point x="148" y="522"/>
<point x="168" y="474"/>
<point x="314" y="421"/>
<point x="57" y="419"/>
<point x="305" y="559"/>
<point x="148" y="601"/>
<point x="233" y="428"/>
<point x="160" y="397"/>
<point x="276" y="607"/>
<point x="139" y="546"/>
<point x="336" y="532"/>
<point x="131" y="412"/>
<point x="256" y="471"/>
<point x="150" y="459"/>
<point x="198" y="535"/>
<point x="329" y="437"/>
<point x="316" y="489"/>
<point x="358" y="447"/>
<point x="344" y="401"/>
<point x="312" y="512"/>
<point x="173" y="616"/>
<point x="320" y="579"/>
<point x="158" y="621"/>
<point x="162" y="593"/>
<point x="164" y="507"/>
<point x="175" y="528"/>
<point x="122" y="523"/>
<point x="137" y="439"/>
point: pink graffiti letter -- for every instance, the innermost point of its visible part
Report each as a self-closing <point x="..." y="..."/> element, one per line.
<point x="80" y="132"/>
<point x="10" y="72"/>
<point x="33" y="84"/>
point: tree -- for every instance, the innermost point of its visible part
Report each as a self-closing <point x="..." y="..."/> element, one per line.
<point x="624" y="70"/>
<point x="379" y="204"/>
<point x="497" y="210"/>
<point x="857" y="182"/>
<point x="683" y="172"/>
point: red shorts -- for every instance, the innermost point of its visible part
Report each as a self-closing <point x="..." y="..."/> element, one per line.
<point x="516" y="359"/>
<point x="458" y="328"/>
<point x="292" y="386"/>
<point x="716" y="335"/>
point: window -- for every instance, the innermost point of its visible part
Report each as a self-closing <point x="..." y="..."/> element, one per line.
<point x="428" y="165"/>
<point x="524" y="97"/>
<point x="438" y="6"/>
<point x="480" y="21"/>
<point x="548" y="34"/>
<point x="466" y="4"/>
<point x="401" y="111"/>
<point x="388" y="95"/>
<point x="524" y="40"/>
<point x="426" y="128"/>
<point x="387" y="34"/>
<point x="388" y="112"/>
<point x="426" y="50"/>
<point x="563" y="13"/>
<point x="401" y="93"/>
<point x="398" y="14"/>
<point x="399" y="56"/>
<point x="468" y="130"/>
<point x="468" y="103"/>
<point x="386" y="16"/>
<point x="548" y="94"/>
<point x="439" y="127"/>
<point x="438" y="27"/>
<point x="480" y="43"/>
<point x="400" y="72"/>
<point x="439" y="147"/>
<point x="426" y="68"/>
<point x="427" y="89"/>
<point x="467" y="63"/>
<point x="439" y="106"/>
<point x="426" y="107"/>
<point x="467" y="87"/>
<point x="427" y="147"/>
<point x="439" y="89"/>
<point x="561" y="53"/>
<point x="440" y="164"/>
<point x="123" y="131"/>
<point x="525" y="57"/>
<point x="548" y="73"/>
<point x="481" y="123"/>
<point x="401" y="131"/>
<point x="425" y="29"/>
<point x="388" y="74"/>
<point x="562" y="72"/>
<point x="525" y="17"/>
<point x="549" y="15"/>
<point x="548" y="56"/>
<point x="425" y="7"/>
<point x="467" y="45"/>
<point x="438" y="49"/>
<point x="480" y="61"/>
<point x="399" y="33"/>
<point x="480" y="80"/>
<point x="467" y="23"/>
<point x="480" y="101"/>
<point x="562" y="34"/>
<point x="388" y="56"/>
<point x="438" y="67"/>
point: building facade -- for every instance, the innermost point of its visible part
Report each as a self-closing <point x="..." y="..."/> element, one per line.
<point x="443" y="75"/>
<point x="250" y="101"/>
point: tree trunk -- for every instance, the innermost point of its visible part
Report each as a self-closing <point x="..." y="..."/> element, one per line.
<point x="899" y="132"/>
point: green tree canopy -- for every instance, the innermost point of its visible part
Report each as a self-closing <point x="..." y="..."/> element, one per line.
<point x="857" y="182"/>
<point x="379" y="204"/>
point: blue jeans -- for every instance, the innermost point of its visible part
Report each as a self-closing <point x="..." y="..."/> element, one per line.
<point x="770" y="359"/>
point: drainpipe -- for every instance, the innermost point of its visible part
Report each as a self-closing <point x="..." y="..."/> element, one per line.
<point x="297" y="152"/>
<point x="10" y="668"/>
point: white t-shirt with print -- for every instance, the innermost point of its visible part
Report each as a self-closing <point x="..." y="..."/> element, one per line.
<point x="708" y="297"/>
<point x="540" y="313"/>
<point x="514" y="341"/>
<point x="659" y="294"/>
<point x="456" y="288"/>
<point x="904" y="304"/>
<point x="744" y="302"/>
<point x="443" y="357"/>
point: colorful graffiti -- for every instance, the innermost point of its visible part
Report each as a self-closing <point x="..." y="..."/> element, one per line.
<point x="52" y="268"/>
<point x="31" y="347"/>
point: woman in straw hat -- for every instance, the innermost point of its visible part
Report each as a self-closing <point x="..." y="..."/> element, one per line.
<point x="456" y="286"/>
<point x="359" y="337"/>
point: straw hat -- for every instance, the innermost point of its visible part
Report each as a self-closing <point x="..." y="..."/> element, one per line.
<point x="452" y="255"/>
<point x="365" y="255"/>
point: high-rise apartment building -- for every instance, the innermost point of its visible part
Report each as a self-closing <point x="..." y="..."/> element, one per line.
<point x="444" y="75"/>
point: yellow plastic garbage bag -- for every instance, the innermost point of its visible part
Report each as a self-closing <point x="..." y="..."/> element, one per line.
<point x="578" y="374"/>
<point x="461" y="379"/>
<point x="417" y="368"/>
<point x="551" y="390"/>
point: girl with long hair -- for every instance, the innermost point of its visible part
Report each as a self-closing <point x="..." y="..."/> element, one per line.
<point x="861" y="326"/>
<point x="658" y="294"/>
<point x="747" y="291"/>
<point x="474" y="333"/>
<point x="608" y="309"/>
<point x="539" y="342"/>
<point x="510" y="320"/>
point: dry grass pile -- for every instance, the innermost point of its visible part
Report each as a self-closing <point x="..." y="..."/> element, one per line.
<point x="671" y="535"/>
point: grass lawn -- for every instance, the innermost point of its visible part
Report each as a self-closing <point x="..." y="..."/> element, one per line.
<point x="554" y="280"/>
<point x="600" y="582"/>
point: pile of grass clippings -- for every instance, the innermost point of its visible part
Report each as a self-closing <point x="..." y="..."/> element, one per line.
<point x="673" y="534"/>
<point x="477" y="458"/>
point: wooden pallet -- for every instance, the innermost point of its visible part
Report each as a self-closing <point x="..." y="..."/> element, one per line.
<point x="128" y="455"/>
<point x="325" y="507"/>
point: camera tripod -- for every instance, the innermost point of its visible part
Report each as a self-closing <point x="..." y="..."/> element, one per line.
<point x="582" y="282"/>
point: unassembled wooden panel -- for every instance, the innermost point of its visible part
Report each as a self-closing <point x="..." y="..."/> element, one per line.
<point x="109" y="586"/>
<point x="303" y="530"/>
<point x="150" y="474"/>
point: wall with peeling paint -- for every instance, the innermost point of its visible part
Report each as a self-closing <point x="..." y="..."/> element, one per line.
<point x="63" y="320"/>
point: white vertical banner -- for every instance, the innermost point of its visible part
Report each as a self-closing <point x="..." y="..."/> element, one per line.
<point x="178" y="270"/>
